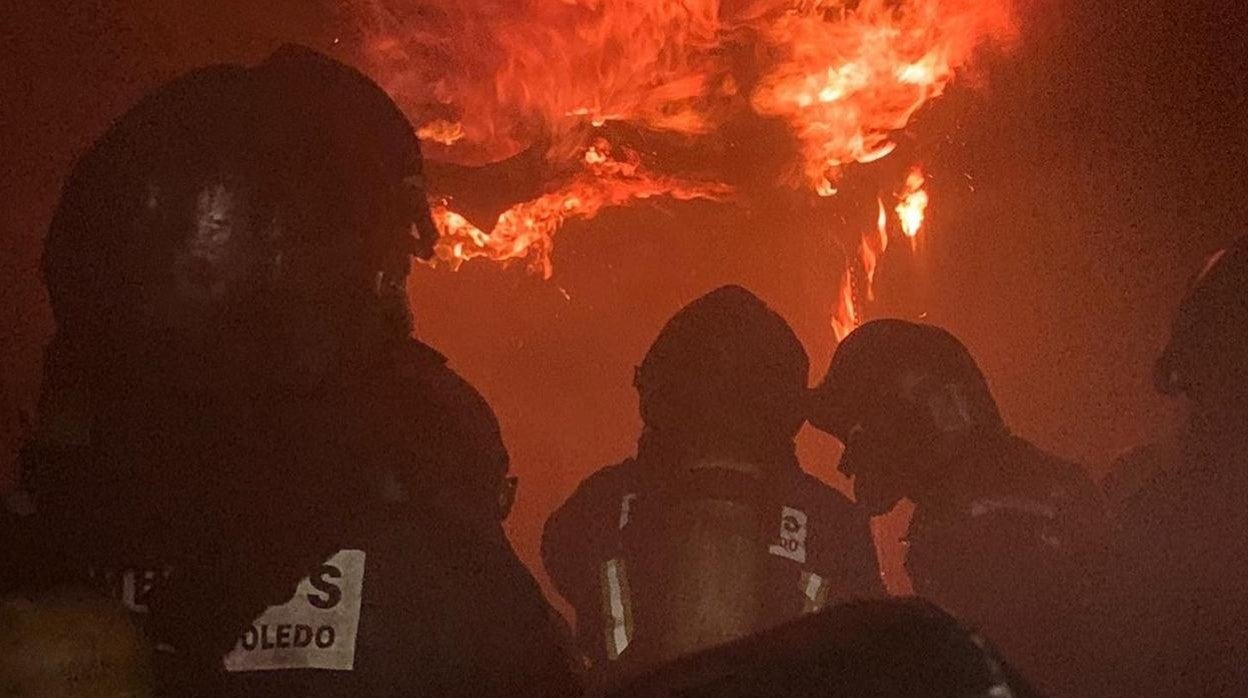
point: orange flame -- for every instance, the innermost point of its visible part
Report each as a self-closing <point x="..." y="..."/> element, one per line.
<point x="518" y="72"/>
<point x="845" y="317"/>
<point x="526" y="230"/>
<point x="847" y="80"/>
<point x="441" y="131"/>
<point x="912" y="204"/>
<point x="488" y="79"/>
<point x="872" y="247"/>
<point x="526" y="71"/>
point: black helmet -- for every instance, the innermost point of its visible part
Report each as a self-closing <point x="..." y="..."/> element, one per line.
<point x="236" y="205"/>
<point x="871" y="363"/>
<point x="350" y="145"/>
<point x="726" y="366"/>
<point x="1209" y="340"/>
<point x="894" y="392"/>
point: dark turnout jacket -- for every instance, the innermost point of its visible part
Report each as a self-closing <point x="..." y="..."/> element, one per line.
<point x="1011" y="543"/>
<point x="335" y="538"/>
<point x="376" y="573"/>
<point x="1172" y="618"/>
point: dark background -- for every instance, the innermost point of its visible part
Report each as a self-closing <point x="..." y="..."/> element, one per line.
<point x="1075" y="188"/>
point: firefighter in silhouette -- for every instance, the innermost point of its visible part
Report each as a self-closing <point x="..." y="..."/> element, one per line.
<point x="712" y="531"/>
<point x="1174" y="610"/>
<point x="1003" y="534"/>
<point x="895" y="648"/>
<point x="1132" y="470"/>
<point x="238" y="436"/>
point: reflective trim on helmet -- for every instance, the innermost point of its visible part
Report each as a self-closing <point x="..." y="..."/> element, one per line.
<point x="1210" y="263"/>
<point x="617" y="607"/>
<point x="626" y="508"/>
<point x="990" y="505"/>
<point x="1001" y="687"/>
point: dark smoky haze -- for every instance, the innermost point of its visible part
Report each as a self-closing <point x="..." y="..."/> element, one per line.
<point x="1074" y="188"/>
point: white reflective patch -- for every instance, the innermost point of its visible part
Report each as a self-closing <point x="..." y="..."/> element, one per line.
<point x="626" y="509"/>
<point x="813" y="584"/>
<point x="792" y="543"/>
<point x="815" y="590"/>
<point x="129" y="593"/>
<point x="316" y="629"/>
<point x="618" y="632"/>
<point x="1025" y="505"/>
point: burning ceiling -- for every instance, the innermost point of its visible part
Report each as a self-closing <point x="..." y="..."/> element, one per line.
<point x="488" y="79"/>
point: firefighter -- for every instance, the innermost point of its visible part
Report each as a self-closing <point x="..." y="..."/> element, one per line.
<point x="1003" y="534"/>
<point x="1173" y="613"/>
<point x="1132" y="470"/>
<point x="237" y="435"/>
<point x="712" y="531"/>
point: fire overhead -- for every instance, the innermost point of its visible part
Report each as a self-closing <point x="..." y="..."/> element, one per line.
<point x="486" y="82"/>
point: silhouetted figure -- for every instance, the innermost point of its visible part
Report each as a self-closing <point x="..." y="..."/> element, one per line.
<point x="1175" y="611"/>
<point x="1131" y="471"/>
<point x="1003" y="534"/>
<point x="900" y="648"/>
<point x="237" y="435"/>
<point x="712" y="531"/>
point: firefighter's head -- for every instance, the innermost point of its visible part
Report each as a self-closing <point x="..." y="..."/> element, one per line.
<point x="241" y="225"/>
<point x="727" y="374"/>
<point x="900" y="396"/>
<point x="1206" y="359"/>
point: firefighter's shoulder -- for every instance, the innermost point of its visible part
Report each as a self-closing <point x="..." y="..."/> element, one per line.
<point x="831" y="504"/>
<point x="583" y="526"/>
<point x="424" y="396"/>
<point x="602" y="488"/>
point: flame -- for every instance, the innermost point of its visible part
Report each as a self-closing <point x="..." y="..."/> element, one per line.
<point x="845" y="317"/>
<point x="912" y="203"/>
<point x="525" y="71"/>
<point x="488" y="79"/>
<point x="871" y="248"/>
<point x="441" y="131"/>
<point x="526" y="230"/>
<point x="845" y="83"/>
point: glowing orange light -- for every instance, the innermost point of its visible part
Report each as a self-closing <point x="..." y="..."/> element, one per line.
<point x="515" y="73"/>
<point x="489" y="79"/>
<point x="912" y="203"/>
<point x="441" y="131"/>
<point x="526" y="230"/>
<point x="845" y="317"/>
<point x="846" y="79"/>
